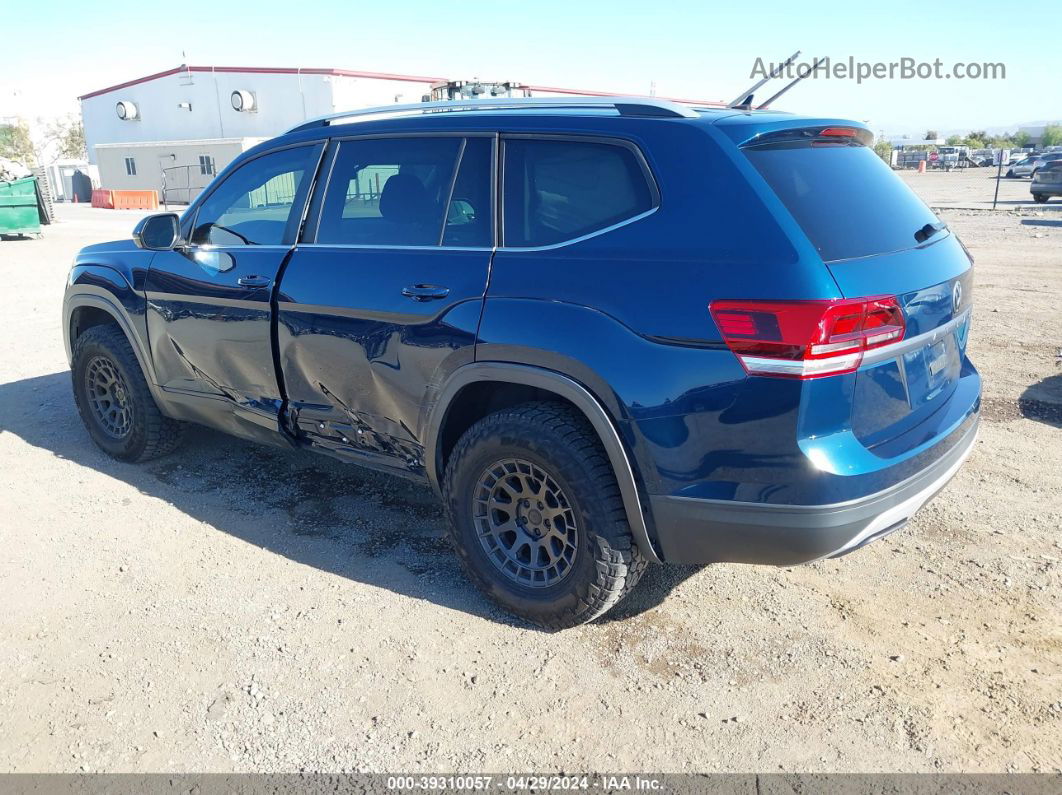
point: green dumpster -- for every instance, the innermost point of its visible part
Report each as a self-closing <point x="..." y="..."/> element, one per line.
<point x="18" y="207"/>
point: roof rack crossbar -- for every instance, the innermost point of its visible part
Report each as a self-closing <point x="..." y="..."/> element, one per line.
<point x="625" y="106"/>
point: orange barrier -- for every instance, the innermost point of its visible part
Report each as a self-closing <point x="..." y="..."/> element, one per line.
<point x="125" y="199"/>
<point x="102" y="198"/>
<point x="135" y="200"/>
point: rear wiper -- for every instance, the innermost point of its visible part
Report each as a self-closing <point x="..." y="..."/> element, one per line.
<point x="927" y="231"/>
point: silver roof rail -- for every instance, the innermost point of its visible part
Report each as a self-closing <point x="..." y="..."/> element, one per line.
<point x="625" y="106"/>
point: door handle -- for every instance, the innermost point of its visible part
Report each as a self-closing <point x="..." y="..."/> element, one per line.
<point x="252" y="281"/>
<point x="425" y="292"/>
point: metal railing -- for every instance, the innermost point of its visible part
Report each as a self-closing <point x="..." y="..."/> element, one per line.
<point x="181" y="184"/>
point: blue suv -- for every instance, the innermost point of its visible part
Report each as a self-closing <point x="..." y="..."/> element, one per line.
<point x="609" y="332"/>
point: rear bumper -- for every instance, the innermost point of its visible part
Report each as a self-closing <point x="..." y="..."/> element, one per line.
<point x="710" y="531"/>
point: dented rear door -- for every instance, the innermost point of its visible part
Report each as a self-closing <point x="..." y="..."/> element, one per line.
<point x="384" y="298"/>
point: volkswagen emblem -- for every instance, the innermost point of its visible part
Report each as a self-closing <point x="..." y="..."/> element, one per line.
<point x="956" y="297"/>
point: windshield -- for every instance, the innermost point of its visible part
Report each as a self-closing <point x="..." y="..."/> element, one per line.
<point x="846" y="199"/>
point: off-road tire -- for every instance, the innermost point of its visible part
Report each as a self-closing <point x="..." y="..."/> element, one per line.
<point x="555" y="437"/>
<point x="150" y="434"/>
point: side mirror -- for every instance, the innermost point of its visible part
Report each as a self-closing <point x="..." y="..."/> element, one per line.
<point x="158" y="232"/>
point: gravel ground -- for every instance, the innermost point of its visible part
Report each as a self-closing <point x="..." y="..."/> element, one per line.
<point x="236" y="608"/>
<point x="974" y="188"/>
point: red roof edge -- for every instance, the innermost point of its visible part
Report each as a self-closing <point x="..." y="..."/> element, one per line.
<point x="266" y="70"/>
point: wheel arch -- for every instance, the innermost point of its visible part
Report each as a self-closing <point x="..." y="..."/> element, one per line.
<point x="86" y="310"/>
<point x="507" y="384"/>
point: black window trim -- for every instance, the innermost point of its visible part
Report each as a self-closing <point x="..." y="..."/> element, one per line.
<point x="639" y="156"/>
<point x="313" y="222"/>
<point x="217" y="182"/>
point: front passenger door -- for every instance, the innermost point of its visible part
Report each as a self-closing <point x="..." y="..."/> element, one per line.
<point x="208" y="301"/>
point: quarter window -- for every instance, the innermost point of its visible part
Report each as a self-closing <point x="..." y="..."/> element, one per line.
<point x="557" y="190"/>
<point x="260" y="203"/>
<point x="416" y="191"/>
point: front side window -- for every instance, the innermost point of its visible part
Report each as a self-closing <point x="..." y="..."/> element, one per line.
<point x="415" y="191"/>
<point x="557" y="190"/>
<point x="260" y="203"/>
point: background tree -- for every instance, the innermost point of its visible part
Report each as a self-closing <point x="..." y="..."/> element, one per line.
<point x="1020" y="139"/>
<point x="67" y="135"/>
<point x="15" y="143"/>
<point x="1052" y="135"/>
<point x="931" y="135"/>
<point x="883" y="149"/>
<point x="955" y="140"/>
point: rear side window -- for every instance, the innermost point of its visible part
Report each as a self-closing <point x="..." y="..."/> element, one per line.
<point x="415" y="191"/>
<point x="556" y="190"/>
<point x="846" y="199"/>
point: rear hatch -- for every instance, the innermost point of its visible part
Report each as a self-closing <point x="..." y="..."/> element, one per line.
<point x="877" y="238"/>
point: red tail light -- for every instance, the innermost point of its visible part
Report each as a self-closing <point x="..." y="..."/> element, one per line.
<point x="807" y="339"/>
<point x="839" y="132"/>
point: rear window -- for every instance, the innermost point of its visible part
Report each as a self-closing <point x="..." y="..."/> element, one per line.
<point x="846" y="199"/>
<point x="558" y="190"/>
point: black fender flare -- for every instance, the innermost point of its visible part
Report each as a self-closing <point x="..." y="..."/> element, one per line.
<point x="565" y="387"/>
<point x="99" y="301"/>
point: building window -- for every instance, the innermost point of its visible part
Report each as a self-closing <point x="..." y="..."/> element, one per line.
<point x="206" y="165"/>
<point x="130" y="167"/>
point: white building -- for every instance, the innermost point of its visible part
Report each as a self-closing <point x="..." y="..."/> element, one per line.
<point x="1036" y="131"/>
<point x="176" y="129"/>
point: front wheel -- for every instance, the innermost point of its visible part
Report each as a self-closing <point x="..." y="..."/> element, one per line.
<point x="1040" y="198"/>
<point x="536" y="516"/>
<point x="1010" y="173"/>
<point x="114" y="401"/>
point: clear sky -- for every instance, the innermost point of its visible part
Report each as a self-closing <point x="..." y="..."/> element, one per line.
<point x="688" y="48"/>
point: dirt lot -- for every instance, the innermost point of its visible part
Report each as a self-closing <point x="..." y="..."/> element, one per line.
<point x="235" y="608"/>
<point x="973" y="188"/>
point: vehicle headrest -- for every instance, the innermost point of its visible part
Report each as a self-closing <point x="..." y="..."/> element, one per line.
<point x="404" y="199"/>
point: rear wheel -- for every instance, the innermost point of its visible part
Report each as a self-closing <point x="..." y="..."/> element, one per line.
<point x="536" y="516"/>
<point x="1040" y="198"/>
<point x="114" y="401"/>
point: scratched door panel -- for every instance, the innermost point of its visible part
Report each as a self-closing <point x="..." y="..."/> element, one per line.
<point x="386" y="299"/>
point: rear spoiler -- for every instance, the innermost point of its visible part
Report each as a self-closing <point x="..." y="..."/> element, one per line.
<point x="818" y="135"/>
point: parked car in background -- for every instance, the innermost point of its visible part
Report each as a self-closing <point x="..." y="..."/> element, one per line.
<point x="1047" y="182"/>
<point x="1030" y="165"/>
<point x="607" y="332"/>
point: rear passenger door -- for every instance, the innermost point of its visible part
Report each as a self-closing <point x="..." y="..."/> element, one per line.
<point x="383" y="298"/>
